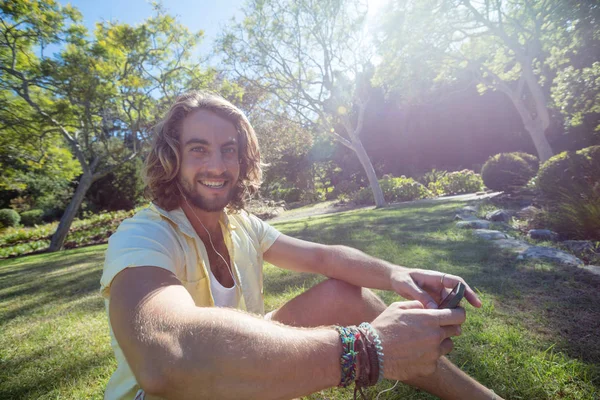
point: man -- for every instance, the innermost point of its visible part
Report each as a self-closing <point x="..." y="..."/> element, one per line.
<point x="196" y="248"/>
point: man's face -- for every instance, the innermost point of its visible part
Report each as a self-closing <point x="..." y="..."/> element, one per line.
<point x="210" y="164"/>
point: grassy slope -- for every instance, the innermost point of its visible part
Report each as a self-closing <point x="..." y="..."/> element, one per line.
<point x="535" y="338"/>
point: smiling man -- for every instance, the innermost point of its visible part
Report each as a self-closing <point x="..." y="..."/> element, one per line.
<point x="183" y="286"/>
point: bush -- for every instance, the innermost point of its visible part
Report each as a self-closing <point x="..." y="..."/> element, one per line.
<point x="121" y="189"/>
<point x="508" y="171"/>
<point x="9" y="218"/>
<point x="344" y="187"/>
<point x="458" y="182"/>
<point x="569" y="184"/>
<point x="573" y="173"/>
<point x="394" y="189"/>
<point x="32" y="217"/>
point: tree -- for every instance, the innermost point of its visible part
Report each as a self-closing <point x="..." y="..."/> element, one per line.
<point x="513" y="46"/>
<point x="311" y="57"/>
<point x="103" y="94"/>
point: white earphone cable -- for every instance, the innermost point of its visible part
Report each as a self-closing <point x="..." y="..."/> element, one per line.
<point x="209" y="237"/>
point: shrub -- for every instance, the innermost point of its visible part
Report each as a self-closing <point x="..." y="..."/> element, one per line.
<point x="394" y="189"/>
<point x="291" y="195"/>
<point x="432" y="176"/>
<point x="569" y="184"/>
<point x="32" y="217"/>
<point x="575" y="217"/>
<point x="9" y="218"/>
<point x="121" y="189"/>
<point x="508" y="171"/>
<point x="458" y="182"/>
<point x="574" y="173"/>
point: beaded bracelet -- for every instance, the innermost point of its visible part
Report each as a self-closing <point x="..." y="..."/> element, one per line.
<point x="372" y="335"/>
<point x="348" y="337"/>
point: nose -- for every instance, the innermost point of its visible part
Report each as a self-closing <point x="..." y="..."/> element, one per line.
<point x="216" y="165"/>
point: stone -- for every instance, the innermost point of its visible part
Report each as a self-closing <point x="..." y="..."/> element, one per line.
<point x="498" y="216"/>
<point x="581" y="246"/>
<point x="542" y="234"/>
<point x="475" y="224"/>
<point x="467" y="210"/>
<point x="550" y="254"/>
<point x="528" y="212"/>
<point x="465" y="217"/>
<point x="594" y="269"/>
<point x="488" y="234"/>
<point x="517" y="246"/>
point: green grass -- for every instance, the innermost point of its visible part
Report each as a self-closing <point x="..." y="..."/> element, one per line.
<point x="535" y="338"/>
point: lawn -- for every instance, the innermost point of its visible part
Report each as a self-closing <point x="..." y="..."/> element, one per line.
<point x="536" y="336"/>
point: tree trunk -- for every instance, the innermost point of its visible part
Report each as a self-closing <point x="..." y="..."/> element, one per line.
<point x="535" y="127"/>
<point x="58" y="239"/>
<point x="537" y="133"/>
<point x="368" y="166"/>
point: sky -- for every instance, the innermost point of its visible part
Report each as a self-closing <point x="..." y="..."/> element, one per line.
<point x="209" y="16"/>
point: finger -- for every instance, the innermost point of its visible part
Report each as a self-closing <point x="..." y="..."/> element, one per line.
<point x="452" y="280"/>
<point x="450" y="316"/>
<point x="408" y="305"/>
<point x="422" y="296"/>
<point x="446" y="346"/>
<point x="450" y="330"/>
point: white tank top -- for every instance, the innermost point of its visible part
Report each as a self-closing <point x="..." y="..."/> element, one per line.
<point x="224" y="297"/>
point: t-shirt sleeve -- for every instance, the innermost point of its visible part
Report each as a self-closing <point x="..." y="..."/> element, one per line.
<point x="266" y="234"/>
<point x="139" y="242"/>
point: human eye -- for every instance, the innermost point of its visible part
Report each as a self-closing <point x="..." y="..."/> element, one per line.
<point x="198" y="149"/>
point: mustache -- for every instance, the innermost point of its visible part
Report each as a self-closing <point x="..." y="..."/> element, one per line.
<point x="225" y="176"/>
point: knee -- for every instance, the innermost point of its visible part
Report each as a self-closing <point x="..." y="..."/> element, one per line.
<point x="338" y="290"/>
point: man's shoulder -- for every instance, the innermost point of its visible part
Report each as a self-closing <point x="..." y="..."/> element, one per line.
<point x="244" y="218"/>
<point x="149" y="222"/>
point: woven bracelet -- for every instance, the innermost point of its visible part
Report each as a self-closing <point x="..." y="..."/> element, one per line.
<point x="375" y="339"/>
<point x="348" y="337"/>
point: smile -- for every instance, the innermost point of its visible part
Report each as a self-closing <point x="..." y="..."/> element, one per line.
<point x="213" y="184"/>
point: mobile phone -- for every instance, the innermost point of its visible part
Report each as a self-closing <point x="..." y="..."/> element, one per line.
<point x="454" y="297"/>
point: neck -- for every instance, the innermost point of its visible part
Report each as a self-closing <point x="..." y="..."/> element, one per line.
<point x="200" y="217"/>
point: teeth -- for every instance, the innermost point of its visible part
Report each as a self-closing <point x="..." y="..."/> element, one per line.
<point x="213" y="184"/>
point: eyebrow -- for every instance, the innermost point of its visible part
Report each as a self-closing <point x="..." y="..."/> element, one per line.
<point x="206" y="143"/>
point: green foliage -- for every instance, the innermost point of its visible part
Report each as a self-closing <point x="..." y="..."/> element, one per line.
<point x="394" y="190"/>
<point x="570" y="187"/>
<point x="457" y="182"/>
<point x="577" y="93"/>
<point x="121" y="189"/>
<point x="32" y="217"/>
<point x="576" y="217"/>
<point x="94" y="229"/>
<point x="9" y="218"/>
<point x="508" y="171"/>
<point x="575" y="173"/>
<point x="343" y="188"/>
<point x="432" y="176"/>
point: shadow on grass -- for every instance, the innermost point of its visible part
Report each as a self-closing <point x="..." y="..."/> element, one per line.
<point x="44" y="280"/>
<point x="68" y="369"/>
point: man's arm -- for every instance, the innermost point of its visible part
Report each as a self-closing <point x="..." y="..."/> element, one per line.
<point x="355" y="267"/>
<point x="339" y="262"/>
<point x="179" y="351"/>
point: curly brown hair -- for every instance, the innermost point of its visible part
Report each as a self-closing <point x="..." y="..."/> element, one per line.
<point x="162" y="165"/>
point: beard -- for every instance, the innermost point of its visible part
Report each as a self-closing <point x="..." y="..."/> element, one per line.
<point x="205" y="202"/>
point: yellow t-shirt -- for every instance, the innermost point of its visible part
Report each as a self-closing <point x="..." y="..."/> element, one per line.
<point x="166" y="239"/>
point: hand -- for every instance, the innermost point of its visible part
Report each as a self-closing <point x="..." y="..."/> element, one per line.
<point x="427" y="286"/>
<point x="414" y="338"/>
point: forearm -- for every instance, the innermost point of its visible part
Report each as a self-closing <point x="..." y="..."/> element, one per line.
<point x="226" y="354"/>
<point x="360" y="269"/>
